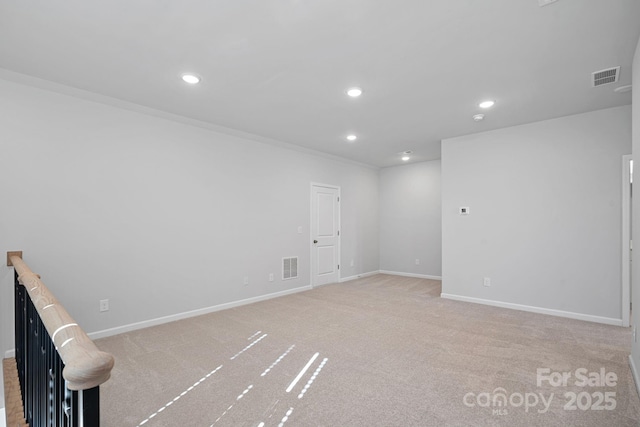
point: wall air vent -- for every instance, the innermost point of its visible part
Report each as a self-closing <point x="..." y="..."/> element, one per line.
<point x="603" y="77"/>
<point x="289" y="268"/>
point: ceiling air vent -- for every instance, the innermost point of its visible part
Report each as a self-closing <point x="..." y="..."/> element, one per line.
<point x="289" y="268"/>
<point x="603" y="77"/>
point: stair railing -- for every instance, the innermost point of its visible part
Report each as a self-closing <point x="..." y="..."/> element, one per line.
<point x="58" y="366"/>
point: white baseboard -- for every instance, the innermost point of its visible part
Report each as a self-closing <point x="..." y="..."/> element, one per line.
<point x="10" y="353"/>
<point x="193" y="313"/>
<point x="418" y="276"/>
<point x="2" y="416"/>
<point x="634" y="372"/>
<point x="358" y="276"/>
<point x="540" y="310"/>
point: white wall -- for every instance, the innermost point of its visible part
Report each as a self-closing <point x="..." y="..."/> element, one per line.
<point x="159" y="216"/>
<point x="411" y="219"/>
<point x="635" y="275"/>
<point x="545" y="214"/>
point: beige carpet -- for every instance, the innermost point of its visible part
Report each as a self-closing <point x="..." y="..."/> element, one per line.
<point x="379" y="351"/>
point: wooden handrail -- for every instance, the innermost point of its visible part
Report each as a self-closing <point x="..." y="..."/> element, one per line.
<point x="85" y="365"/>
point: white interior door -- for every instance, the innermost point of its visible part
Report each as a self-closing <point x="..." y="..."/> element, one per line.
<point x="325" y="234"/>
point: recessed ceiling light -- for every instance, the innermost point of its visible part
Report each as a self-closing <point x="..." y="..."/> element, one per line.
<point x="354" y="92"/>
<point x="405" y="158"/>
<point x="478" y="117"/>
<point x="623" y="89"/>
<point x="486" y="104"/>
<point x="192" y="79"/>
<point x="352" y="137"/>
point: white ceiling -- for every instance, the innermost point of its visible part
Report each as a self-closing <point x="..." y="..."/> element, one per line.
<point x="279" y="68"/>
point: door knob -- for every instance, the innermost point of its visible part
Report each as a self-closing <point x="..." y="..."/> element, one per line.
<point x="315" y="241"/>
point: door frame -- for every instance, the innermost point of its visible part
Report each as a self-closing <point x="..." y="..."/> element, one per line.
<point x="626" y="239"/>
<point x="311" y="259"/>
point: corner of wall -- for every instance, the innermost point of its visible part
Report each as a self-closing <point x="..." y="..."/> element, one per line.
<point x="634" y="358"/>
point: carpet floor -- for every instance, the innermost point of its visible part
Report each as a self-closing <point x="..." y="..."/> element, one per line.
<point x="377" y="351"/>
